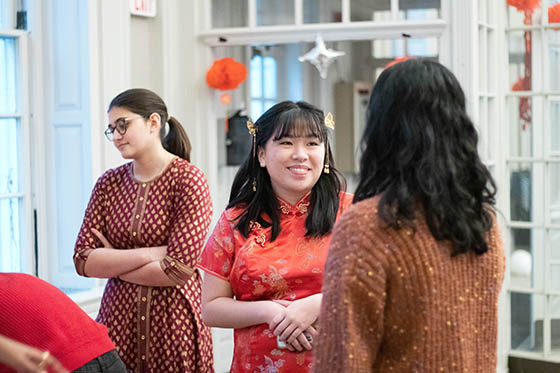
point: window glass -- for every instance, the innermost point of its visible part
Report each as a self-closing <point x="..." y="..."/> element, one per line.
<point x="8" y="74"/>
<point x="322" y="11"/>
<point x="370" y="10"/>
<point x="521" y="258"/>
<point x="553" y="38"/>
<point x="527" y="313"/>
<point x="274" y="12"/>
<point x="521" y="178"/>
<point x="10" y="241"/>
<point x="520" y="126"/>
<point x="229" y="13"/>
<point x="10" y="153"/>
<point x="419" y="10"/>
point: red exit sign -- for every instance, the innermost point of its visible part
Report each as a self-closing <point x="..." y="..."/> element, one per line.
<point x="145" y="8"/>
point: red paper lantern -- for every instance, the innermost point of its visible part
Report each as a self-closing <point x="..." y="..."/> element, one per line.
<point x="397" y="60"/>
<point x="554" y="13"/>
<point x="524" y="5"/>
<point x="226" y="74"/>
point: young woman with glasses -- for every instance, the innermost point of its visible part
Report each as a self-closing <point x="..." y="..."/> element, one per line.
<point x="144" y="228"/>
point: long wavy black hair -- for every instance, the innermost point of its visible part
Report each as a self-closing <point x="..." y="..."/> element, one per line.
<point x="286" y="119"/>
<point x="419" y="149"/>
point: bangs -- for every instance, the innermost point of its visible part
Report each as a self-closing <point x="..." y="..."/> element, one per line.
<point x="299" y="123"/>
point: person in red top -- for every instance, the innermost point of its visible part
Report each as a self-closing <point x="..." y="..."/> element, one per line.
<point x="264" y="261"/>
<point x="38" y="320"/>
<point x="144" y="229"/>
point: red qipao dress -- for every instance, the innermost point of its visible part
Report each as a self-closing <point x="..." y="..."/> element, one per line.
<point x="289" y="268"/>
<point x="155" y="329"/>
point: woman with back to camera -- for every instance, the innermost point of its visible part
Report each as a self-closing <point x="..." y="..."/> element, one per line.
<point x="143" y="229"/>
<point x="264" y="260"/>
<point x="416" y="264"/>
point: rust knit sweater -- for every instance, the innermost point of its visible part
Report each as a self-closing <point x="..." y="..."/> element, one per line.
<point x="397" y="301"/>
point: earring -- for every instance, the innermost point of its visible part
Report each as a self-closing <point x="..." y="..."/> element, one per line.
<point x="253" y="132"/>
<point x="326" y="168"/>
<point x="329" y="123"/>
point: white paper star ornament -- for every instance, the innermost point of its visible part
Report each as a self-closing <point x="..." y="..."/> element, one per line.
<point x="321" y="56"/>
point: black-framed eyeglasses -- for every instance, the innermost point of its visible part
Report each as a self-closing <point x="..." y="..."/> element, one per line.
<point x="121" y="125"/>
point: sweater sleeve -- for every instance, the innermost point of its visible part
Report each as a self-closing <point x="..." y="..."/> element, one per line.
<point x="354" y="294"/>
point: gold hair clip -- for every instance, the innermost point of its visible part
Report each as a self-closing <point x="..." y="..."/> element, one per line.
<point x="252" y="128"/>
<point x="329" y="121"/>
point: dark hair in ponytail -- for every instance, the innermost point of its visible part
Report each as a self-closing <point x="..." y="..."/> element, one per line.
<point x="145" y="102"/>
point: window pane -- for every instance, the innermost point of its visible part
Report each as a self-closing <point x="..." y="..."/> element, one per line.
<point x="520" y="126"/>
<point x="9" y="173"/>
<point x="520" y="192"/>
<point x="8" y="75"/>
<point x="554" y="240"/>
<point x="555" y="277"/>
<point x="274" y="12"/>
<point x="555" y="323"/>
<point x="554" y="174"/>
<point x="229" y="13"/>
<point x="388" y="49"/>
<point x="482" y="59"/>
<point x="268" y="104"/>
<point x="527" y="313"/>
<point x="491" y="129"/>
<point x="554" y="126"/>
<point x="419" y="10"/>
<point x="523" y="13"/>
<point x="370" y="10"/>
<point x="521" y="261"/>
<point x="482" y="128"/>
<point x="256" y="109"/>
<point x="482" y="17"/>
<point x="269" y="67"/>
<point x="554" y="59"/>
<point x="256" y="77"/>
<point x="422" y="47"/>
<point x="10" y="244"/>
<point x="520" y="61"/>
<point x="320" y="11"/>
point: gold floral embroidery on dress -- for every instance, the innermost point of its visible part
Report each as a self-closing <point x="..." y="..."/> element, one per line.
<point x="303" y="207"/>
<point x="284" y="208"/>
<point x="257" y="229"/>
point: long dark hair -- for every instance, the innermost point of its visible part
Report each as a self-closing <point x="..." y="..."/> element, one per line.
<point x="420" y="150"/>
<point x="145" y="102"/>
<point x="286" y="119"/>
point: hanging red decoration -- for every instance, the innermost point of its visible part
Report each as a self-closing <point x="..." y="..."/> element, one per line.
<point x="554" y="13"/>
<point x="397" y="60"/>
<point x="225" y="74"/>
<point x="523" y="84"/>
<point x="524" y="5"/>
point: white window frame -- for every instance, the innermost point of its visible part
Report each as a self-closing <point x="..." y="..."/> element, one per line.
<point x="540" y="160"/>
<point x="339" y="31"/>
<point x="22" y="115"/>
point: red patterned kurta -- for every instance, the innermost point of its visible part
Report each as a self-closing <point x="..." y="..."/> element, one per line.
<point x="289" y="268"/>
<point x="155" y="329"/>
